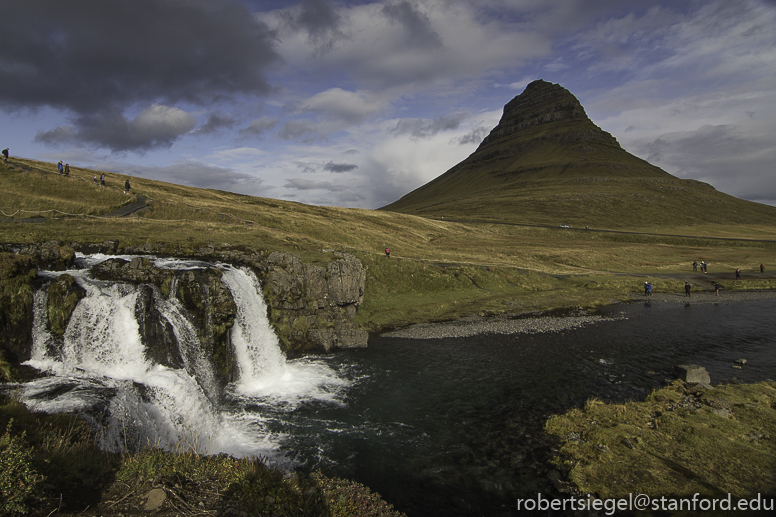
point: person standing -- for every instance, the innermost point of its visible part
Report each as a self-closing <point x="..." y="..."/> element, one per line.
<point x="687" y="289"/>
<point x="716" y="288"/>
<point x="738" y="273"/>
<point x="67" y="169"/>
<point x="5" y="154"/>
<point x="388" y="252"/>
<point x="102" y="179"/>
<point x="762" y="267"/>
<point x="694" y="266"/>
<point x="127" y="186"/>
<point x="59" y="166"/>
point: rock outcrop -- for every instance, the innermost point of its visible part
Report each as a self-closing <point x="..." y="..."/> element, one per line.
<point x="312" y="307"/>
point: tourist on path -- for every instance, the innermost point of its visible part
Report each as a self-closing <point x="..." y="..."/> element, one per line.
<point x="694" y="266"/>
<point x="716" y="287"/>
<point x="95" y="180"/>
<point x="59" y="166"/>
<point x="388" y="252"/>
<point x="5" y="153"/>
<point x="647" y="289"/>
<point x="127" y="186"/>
<point x="738" y="273"/>
<point x="762" y="267"/>
<point x="67" y="169"/>
<point x="102" y="179"/>
<point x="687" y="289"/>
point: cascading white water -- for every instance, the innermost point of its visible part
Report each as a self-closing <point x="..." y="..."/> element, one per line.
<point x="258" y="352"/>
<point x="264" y="371"/>
<point x="100" y="364"/>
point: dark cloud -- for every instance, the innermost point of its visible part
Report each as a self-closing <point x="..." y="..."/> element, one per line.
<point x="475" y="136"/>
<point x="91" y="55"/>
<point x="216" y="122"/>
<point x="157" y="126"/>
<point x="259" y="126"/>
<point x="319" y="19"/>
<point x="415" y="23"/>
<point x="339" y="167"/>
<point x="423" y="128"/>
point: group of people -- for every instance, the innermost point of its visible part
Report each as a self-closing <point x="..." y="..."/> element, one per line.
<point x="127" y="186"/>
<point x="63" y="170"/>
<point x="704" y="266"/>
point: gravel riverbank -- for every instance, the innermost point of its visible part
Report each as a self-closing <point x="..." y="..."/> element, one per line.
<point x="516" y="324"/>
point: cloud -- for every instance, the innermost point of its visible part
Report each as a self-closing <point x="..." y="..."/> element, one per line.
<point x="216" y="122"/>
<point x="259" y="126"/>
<point x="420" y="128"/>
<point x="417" y="25"/>
<point x="346" y="106"/>
<point x="303" y="184"/>
<point x="319" y="20"/>
<point x="89" y="56"/>
<point x="339" y="167"/>
<point x="154" y="127"/>
<point x="475" y="136"/>
<point x="195" y="174"/>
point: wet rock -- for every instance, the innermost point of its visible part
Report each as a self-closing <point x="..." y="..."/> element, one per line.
<point x="63" y="295"/>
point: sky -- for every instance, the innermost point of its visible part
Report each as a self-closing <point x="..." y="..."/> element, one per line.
<point x="354" y="103"/>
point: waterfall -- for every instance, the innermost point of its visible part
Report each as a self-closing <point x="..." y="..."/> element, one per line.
<point x="259" y="357"/>
<point x="264" y="372"/>
<point x="100" y="368"/>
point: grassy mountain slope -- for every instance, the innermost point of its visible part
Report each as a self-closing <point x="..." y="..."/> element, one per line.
<point x="437" y="270"/>
<point x="546" y="162"/>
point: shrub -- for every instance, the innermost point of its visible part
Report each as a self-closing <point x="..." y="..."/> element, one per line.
<point x="19" y="482"/>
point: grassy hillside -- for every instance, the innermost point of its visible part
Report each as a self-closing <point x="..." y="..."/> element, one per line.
<point x="437" y="270"/>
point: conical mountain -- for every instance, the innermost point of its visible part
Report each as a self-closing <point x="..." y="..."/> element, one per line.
<point x="546" y="162"/>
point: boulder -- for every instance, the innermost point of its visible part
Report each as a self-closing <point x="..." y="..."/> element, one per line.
<point x="693" y="374"/>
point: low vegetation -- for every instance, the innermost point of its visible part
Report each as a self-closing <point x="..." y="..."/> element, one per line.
<point x="680" y="441"/>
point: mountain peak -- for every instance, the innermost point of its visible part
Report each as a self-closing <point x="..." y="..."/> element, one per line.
<point x="549" y="105"/>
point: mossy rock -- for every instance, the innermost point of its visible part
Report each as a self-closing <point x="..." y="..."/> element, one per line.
<point x="63" y="295"/>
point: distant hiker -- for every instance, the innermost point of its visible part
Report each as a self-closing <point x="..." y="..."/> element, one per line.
<point x="5" y="153"/>
<point x="716" y="288"/>
<point x="126" y="186"/>
<point x="59" y="166"/>
<point x="687" y="289"/>
<point x="388" y="252"/>
<point x="102" y="179"/>
<point x="67" y="169"/>
<point x="762" y="267"/>
<point x="738" y="273"/>
<point x="705" y="267"/>
<point x="694" y="266"/>
<point x="95" y="179"/>
<point x="647" y="289"/>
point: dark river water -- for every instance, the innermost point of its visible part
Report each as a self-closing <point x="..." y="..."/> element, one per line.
<point x="453" y="426"/>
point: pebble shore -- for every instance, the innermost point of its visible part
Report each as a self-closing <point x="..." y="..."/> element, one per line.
<point x="475" y="325"/>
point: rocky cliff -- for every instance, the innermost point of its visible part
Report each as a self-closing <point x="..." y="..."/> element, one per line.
<point x="312" y="307"/>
